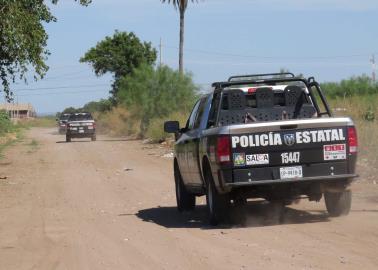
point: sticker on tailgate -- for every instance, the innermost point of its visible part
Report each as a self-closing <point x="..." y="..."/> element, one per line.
<point x="334" y="151"/>
<point x="239" y="159"/>
<point x="257" y="159"/>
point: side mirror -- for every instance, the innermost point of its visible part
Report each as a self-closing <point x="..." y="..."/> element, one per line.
<point x="171" y="126"/>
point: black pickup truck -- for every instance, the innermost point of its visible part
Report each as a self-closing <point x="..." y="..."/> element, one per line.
<point x="269" y="136"/>
<point x="80" y="125"/>
<point x="62" y="122"/>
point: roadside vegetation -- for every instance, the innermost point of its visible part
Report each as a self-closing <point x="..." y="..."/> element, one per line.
<point x="12" y="132"/>
<point x="143" y="95"/>
<point x="9" y="132"/>
<point x="357" y="97"/>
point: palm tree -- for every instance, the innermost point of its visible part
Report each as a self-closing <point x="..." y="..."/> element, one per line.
<point x="181" y="5"/>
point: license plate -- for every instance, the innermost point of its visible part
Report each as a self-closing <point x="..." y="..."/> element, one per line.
<point x="291" y="172"/>
<point x="81" y="131"/>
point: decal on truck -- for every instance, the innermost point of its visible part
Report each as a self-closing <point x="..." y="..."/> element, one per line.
<point x="257" y="159"/>
<point x="299" y="137"/>
<point x="290" y="157"/>
<point x="239" y="159"/>
<point x="334" y="152"/>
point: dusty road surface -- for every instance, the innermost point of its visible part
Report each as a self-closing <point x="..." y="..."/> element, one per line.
<point x="110" y="205"/>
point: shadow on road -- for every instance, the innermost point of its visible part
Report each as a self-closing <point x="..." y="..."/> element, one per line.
<point x="75" y="142"/>
<point x="366" y="210"/>
<point x="116" y="140"/>
<point x="99" y="140"/>
<point x="255" y="214"/>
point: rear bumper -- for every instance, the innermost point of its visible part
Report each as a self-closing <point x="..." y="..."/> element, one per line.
<point x="315" y="172"/>
<point x="76" y="134"/>
<point x="322" y="179"/>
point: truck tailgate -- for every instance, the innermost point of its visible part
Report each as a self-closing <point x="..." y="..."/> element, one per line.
<point x="291" y="149"/>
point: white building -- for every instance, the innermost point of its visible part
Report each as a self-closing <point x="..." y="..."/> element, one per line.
<point x="18" y="111"/>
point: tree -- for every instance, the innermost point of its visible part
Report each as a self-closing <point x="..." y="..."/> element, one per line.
<point x="155" y="93"/>
<point x="23" y="39"/>
<point x="355" y="86"/>
<point x="71" y="110"/>
<point x="119" y="55"/>
<point x="181" y="5"/>
<point x="103" y="105"/>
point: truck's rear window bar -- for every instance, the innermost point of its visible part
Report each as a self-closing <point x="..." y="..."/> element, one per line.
<point x="310" y="83"/>
<point x="261" y="76"/>
<point x="258" y="81"/>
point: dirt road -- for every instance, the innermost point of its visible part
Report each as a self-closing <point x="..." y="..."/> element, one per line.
<point x="110" y="205"/>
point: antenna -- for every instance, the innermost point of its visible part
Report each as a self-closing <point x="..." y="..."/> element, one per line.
<point x="161" y="52"/>
<point x="373" y="66"/>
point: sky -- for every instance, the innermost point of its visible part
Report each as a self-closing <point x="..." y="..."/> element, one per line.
<point x="328" y="39"/>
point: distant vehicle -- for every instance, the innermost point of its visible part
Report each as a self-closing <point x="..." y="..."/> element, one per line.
<point x="80" y="125"/>
<point x="62" y="122"/>
<point x="264" y="136"/>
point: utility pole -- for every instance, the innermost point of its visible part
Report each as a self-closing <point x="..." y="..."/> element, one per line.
<point x="161" y="52"/>
<point x="373" y="66"/>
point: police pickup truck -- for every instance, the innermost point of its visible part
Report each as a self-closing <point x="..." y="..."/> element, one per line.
<point x="80" y="125"/>
<point x="269" y="136"/>
<point x="62" y="122"/>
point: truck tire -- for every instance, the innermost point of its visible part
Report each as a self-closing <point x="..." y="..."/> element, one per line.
<point x="185" y="200"/>
<point x="339" y="203"/>
<point x="218" y="205"/>
<point x="68" y="138"/>
<point x="93" y="138"/>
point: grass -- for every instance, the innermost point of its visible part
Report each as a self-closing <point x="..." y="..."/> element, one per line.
<point x="46" y="122"/>
<point x="33" y="146"/>
<point x="10" y="139"/>
<point x="155" y="131"/>
<point x="358" y="108"/>
<point x="117" y="122"/>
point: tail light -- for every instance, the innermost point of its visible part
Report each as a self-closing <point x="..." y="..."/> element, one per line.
<point x="352" y="140"/>
<point x="223" y="149"/>
<point x="94" y="125"/>
<point x="252" y="90"/>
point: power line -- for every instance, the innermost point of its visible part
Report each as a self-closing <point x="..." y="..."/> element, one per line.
<point x="64" y="75"/>
<point x="267" y="57"/>
<point x="267" y="62"/>
<point x="60" y="93"/>
<point x="59" y="87"/>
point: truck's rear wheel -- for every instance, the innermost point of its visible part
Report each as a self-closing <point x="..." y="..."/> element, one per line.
<point x="185" y="200"/>
<point x="338" y="203"/>
<point x="93" y="138"/>
<point x="218" y="205"/>
<point x="68" y="138"/>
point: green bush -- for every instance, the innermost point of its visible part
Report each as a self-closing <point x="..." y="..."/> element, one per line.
<point x="155" y="130"/>
<point x="150" y="93"/>
<point x="5" y="123"/>
<point x="355" y="86"/>
<point x="369" y="115"/>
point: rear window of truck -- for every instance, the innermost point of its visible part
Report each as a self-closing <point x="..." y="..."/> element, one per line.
<point x="262" y="105"/>
<point x="80" y="117"/>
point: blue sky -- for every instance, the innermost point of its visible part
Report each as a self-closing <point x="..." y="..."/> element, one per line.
<point x="328" y="39"/>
